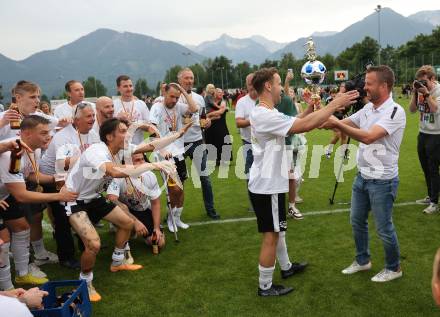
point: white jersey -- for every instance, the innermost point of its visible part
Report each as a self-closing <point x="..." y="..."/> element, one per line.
<point x="66" y="143"/>
<point x="379" y="160"/>
<point x="165" y="118"/>
<point x="269" y="171"/>
<point x="26" y="168"/>
<point x="6" y="132"/>
<point x="243" y="110"/>
<point x="139" y="112"/>
<point x="86" y="177"/>
<point x="134" y="198"/>
<point x="67" y="111"/>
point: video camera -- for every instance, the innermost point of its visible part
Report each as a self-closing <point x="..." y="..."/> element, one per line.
<point x="358" y="83"/>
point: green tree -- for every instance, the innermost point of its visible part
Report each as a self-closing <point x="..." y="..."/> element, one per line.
<point x="93" y="87"/>
<point x="141" y="88"/>
<point x="171" y="74"/>
<point x="44" y="98"/>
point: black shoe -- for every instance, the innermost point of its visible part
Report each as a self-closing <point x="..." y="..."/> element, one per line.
<point x="213" y="215"/>
<point x="275" y="290"/>
<point x="295" y="268"/>
<point x="71" y="264"/>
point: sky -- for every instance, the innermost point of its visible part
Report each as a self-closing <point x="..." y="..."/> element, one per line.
<point x="28" y="27"/>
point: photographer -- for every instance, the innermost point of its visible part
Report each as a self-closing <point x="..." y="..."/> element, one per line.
<point x="379" y="128"/>
<point x="426" y="100"/>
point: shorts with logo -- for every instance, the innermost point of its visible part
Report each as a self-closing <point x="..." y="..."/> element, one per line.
<point x="270" y="210"/>
<point x="181" y="168"/>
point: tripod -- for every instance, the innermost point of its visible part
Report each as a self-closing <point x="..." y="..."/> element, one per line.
<point x="332" y="199"/>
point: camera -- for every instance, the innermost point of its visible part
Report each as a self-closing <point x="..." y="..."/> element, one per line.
<point x="358" y="83"/>
<point x="420" y="84"/>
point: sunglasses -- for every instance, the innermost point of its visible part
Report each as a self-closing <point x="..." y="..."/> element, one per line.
<point x="81" y="106"/>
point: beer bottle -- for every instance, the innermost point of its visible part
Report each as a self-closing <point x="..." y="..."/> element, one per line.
<point x="14" y="167"/>
<point x="154" y="243"/>
<point x="14" y="124"/>
<point x="203" y="118"/>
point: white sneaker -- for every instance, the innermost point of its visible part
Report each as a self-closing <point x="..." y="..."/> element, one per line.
<point x="170" y="224"/>
<point x="46" y="258"/>
<point x="181" y="224"/>
<point x="295" y="213"/>
<point x="35" y="271"/>
<point x="355" y="267"/>
<point x="386" y="275"/>
<point x="424" y="201"/>
<point x="432" y="208"/>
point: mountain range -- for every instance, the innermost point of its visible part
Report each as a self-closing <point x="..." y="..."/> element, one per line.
<point x="106" y="53"/>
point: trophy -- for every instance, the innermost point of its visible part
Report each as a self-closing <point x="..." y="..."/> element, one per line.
<point x="313" y="72"/>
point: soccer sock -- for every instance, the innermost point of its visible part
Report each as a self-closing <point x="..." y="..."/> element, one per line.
<point x="5" y="268"/>
<point x="39" y="249"/>
<point x="291" y="205"/>
<point x="330" y="148"/>
<point x="178" y="212"/>
<point x="265" y="278"/>
<point x="20" y="249"/>
<point x="282" y="256"/>
<point x="118" y="256"/>
<point x="88" y="277"/>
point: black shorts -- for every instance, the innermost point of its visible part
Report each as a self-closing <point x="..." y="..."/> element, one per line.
<point x="181" y="169"/>
<point x="96" y="209"/>
<point x="270" y="210"/>
<point x="14" y="211"/>
<point x="146" y="217"/>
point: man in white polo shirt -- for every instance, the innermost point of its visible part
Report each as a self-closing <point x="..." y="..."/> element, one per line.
<point x="129" y="108"/>
<point x="379" y="128"/>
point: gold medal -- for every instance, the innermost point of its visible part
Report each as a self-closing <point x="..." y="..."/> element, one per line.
<point x="39" y="188"/>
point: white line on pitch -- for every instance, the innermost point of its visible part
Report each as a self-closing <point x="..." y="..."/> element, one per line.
<point x="48" y="227"/>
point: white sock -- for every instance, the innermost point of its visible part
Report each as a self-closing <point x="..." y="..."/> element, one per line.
<point x="291" y="205"/>
<point x="39" y="249"/>
<point x="330" y="148"/>
<point x="20" y="249"/>
<point x="86" y="276"/>
<point x="178" y="212"/>
<point x="118" y="256"/>
<point x="265" y="278"/>
<point x="5" y="268"/>
<point x="282" y="256"/>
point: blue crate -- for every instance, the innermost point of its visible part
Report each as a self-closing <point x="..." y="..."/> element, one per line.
<point x="82" y="309"/>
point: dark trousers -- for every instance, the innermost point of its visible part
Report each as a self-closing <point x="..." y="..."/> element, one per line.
<point x="428" y="148"/>
<point x="63" y="234"/>
<point x="200" y="164"/>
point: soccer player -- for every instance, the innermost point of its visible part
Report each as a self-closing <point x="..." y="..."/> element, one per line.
<point x="140" y="199"/>
<point x="34" y="136"/>
<point x="64" y="149"/>
<point x="269" y="179"/>
<point x="90" y="176"/>
<point x="168" y="117"/>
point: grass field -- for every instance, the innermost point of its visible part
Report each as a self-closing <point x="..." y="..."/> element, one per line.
<point x="213" y="270"/>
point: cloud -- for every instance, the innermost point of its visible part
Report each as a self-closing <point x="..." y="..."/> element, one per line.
<point x="28" y="27"/>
